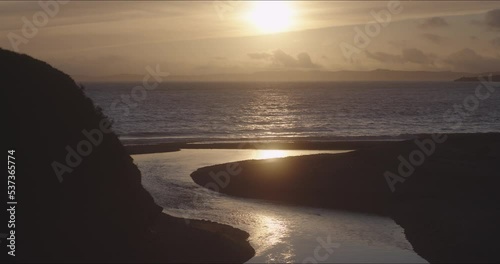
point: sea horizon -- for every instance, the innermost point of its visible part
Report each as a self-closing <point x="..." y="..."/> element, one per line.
<point x="250" y="131"/>
<point x="332" y="111"/>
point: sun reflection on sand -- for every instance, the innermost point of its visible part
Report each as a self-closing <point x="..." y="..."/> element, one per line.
<point x="270" y="154"/>
<point x="275" y="153"/>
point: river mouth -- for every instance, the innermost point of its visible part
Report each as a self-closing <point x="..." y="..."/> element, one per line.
<point x="279" y="233"/>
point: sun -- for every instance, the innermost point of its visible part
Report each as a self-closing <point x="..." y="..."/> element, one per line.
<point x="271" y="16"/>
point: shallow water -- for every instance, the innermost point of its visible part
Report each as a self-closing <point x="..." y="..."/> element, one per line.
<point x="278" y="233"/>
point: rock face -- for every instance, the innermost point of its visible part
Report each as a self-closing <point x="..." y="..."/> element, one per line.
<point x="99" y="208"/>
<point x="97" y="212"/>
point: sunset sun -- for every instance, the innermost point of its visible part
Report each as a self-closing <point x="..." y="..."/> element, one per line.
<point x="271" y="16"/>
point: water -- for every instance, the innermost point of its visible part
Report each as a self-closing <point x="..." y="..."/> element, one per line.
<point x="342" y="110"/>
<point x="278" y="233"/>
<point x="200" y="112"/>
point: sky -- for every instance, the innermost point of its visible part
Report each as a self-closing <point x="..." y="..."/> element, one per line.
<point x="229" y="37"/>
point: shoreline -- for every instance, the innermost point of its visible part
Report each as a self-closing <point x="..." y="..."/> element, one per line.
<point x="226" y="244"/>
<point x="303" y="144"/>
<point x="451" y="196"/>
<point x="299" y="145"/>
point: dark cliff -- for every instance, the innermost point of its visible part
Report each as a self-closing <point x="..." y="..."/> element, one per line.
<point x="99" y="211"/>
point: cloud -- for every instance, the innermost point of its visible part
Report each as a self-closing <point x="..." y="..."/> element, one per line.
<point x="398" y="43"/>
<point x="305" y="61"/>
<point x="407" y="56"/>
<point x="476" y="22"/>
<point x="418" y="57"/>
<point x="259" y="56"/>
<point x="436" y="39"/>
<point x="470" y="61"/>
<point x="280" y="58"/>
<point x="492" y="19"/>
<point x="434" y="22"/>
<point x="466" y="60"/>
<point x="384" y="57"/>
<point x="495" y="42"/>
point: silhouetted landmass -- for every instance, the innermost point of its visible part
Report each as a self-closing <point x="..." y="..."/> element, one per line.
<point x="494" y="78"/>
<point x="293" y="76"/>
<point x="100" y="211"/>
<point x="448" y="206"/>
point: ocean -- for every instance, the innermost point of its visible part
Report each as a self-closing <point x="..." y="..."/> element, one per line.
<point x="202" y="112"/>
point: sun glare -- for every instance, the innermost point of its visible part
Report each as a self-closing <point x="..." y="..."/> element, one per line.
<point x="271" y="16"/>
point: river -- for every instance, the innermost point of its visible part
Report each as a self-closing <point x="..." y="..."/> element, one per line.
<point x="279" y="233"/>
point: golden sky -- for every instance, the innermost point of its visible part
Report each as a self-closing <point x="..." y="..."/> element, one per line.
<point x="210" y="37"/>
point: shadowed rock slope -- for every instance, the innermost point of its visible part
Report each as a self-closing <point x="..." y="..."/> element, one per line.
<point x="100" y="211"/>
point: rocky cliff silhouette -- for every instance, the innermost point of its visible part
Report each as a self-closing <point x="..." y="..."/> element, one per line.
<point x="99" y="211"/>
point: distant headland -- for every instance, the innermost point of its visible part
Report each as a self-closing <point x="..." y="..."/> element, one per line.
<point x="494" y="78"/>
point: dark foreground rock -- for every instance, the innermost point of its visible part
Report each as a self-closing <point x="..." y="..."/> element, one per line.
<point x="449" y="208"/>
<point x="84" y="202"/>
<point x="448" y="205"/>
<point x="177" y="240"/>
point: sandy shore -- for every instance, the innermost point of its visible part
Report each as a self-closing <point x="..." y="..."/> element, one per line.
<point x="196" y="241"/>
<point x="299" y="145"/>
<point x="447" y="202"/>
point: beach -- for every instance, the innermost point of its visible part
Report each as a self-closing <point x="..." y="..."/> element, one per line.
<point x="447" y="195"/>
<point x="278" y="232"/>
<point x="450" y="196"/>
<point x="278" y="145"/>
<point x="251" y="131"/>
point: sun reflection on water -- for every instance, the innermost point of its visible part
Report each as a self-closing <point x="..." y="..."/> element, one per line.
<point x="271" y="233"/>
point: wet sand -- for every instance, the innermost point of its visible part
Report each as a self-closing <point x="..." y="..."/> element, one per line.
<point x="447" y="202"/>
<point x="196" y="241"/>
<point x="298" y="145"/>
